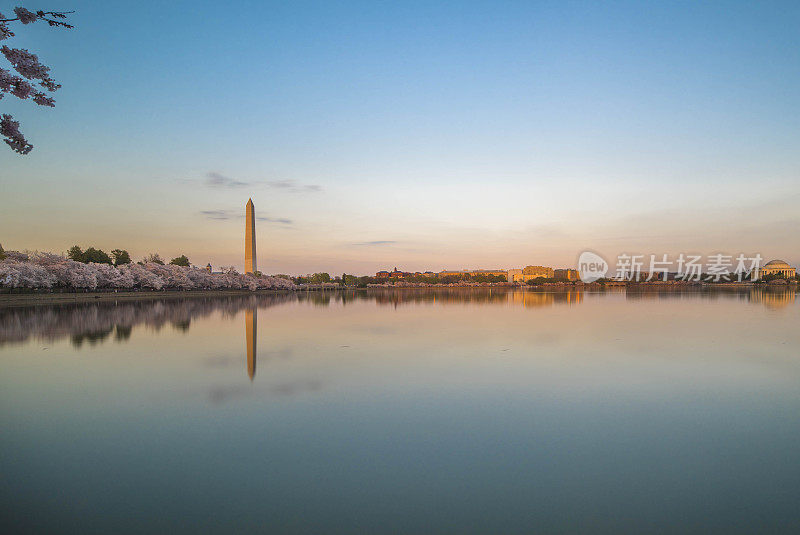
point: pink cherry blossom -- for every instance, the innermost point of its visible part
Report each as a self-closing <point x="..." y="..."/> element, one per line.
<point x="25" y="16"/>
<point x="28" y="66"/>
<point x="9" y="129"/>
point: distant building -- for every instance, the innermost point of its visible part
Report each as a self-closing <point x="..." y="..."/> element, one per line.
<point x="446" y="273"/>
<point x="775" y="267"/>
<point x="495" y="272"/>
<point x="529" y="273"/>
<point x="514" y="275"/>
<point x="538" y="271"/>
<point x="565" y="274"/>
<point x="473" y="273"/>
<point x="535" y="272"/>
<point x="644" y="276"/>
<point x="396" y="273"/>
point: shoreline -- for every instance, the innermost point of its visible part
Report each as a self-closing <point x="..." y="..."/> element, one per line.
<point x="57" y="298"/>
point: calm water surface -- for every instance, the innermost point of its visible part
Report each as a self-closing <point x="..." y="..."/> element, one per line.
<point x="469" y="411"/>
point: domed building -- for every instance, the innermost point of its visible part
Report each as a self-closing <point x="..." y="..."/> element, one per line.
<point x="776" y="267"/>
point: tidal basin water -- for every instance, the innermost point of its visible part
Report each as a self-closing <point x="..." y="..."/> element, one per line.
<point x="414" y="411"/>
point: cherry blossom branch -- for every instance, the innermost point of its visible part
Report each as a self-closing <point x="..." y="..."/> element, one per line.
<point x="9" y="129"/>
<point x="27" y="17"/>
<point x="28" y="66"/>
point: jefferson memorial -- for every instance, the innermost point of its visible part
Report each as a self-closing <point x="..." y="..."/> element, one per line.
<point x="776" y="266"/>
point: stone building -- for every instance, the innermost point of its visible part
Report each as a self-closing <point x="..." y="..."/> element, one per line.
<point x="774" y="267"/>
<point x="468" y="273"/>
<point x="529" y="273"/>
<point x="534" y="272"/>
<point x="514" y="275"/>
<point x="566" y="274"/>
<point x="396" y="273"/>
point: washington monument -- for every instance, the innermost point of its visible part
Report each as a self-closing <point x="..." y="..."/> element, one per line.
<point x="250" y="238"/>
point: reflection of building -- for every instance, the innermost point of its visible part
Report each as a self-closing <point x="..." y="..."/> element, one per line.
<point x="773" y="297"/>
<point x="532" y="299"/>
<point x="250" y="238"/>
<point x="569" y="297"/>
<point x="250" y="328"/>
<point x="776" y="267"/>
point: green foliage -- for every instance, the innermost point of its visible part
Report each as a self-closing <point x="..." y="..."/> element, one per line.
<point x="352" y="280"/>
<point x="540" y="280"/>
<point x="154" y="258"/>
<point x="318" y="278"/>
<point x="97" y="256"/>
<point x="772" y="277"/>
<point x="488" y="278"/>
<point x="75" y="253"/>
<point x="120" y="256"/>
<point x="180" y="261"/>
<point x="449" y="279"/>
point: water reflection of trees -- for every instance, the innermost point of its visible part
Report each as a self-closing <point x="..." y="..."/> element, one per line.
<point x="93" y="323"/>
<point x="443" y="296"/>
<point x="769" y="296"/>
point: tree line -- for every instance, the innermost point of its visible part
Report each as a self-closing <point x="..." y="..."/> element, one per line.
<point x="119" y="257"/>
<point x="42" y="271"/>
<point x="363" y="281"/>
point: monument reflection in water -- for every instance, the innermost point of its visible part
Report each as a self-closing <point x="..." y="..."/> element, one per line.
<point x="414" y="411"/>
<point x="251" y="333"/>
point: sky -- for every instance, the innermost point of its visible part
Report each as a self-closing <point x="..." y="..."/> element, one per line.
<point x="423" y="135"/>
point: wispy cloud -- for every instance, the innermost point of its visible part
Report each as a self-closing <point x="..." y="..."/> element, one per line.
<point x="293" y="186"/>
<point x="227" y="215"/>
<point x="216" y="180"/>
<point x="281" y="184"/>
<point x="218" y="215"/>
<point x="373" y="243"/>
<point x="282" y="220"/>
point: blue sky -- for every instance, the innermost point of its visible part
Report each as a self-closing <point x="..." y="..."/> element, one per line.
<point x="427" y="135"/>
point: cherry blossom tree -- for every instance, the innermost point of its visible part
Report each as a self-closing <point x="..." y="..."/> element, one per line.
<point x="46" y="270"/>
<point x="30" y="71"/>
